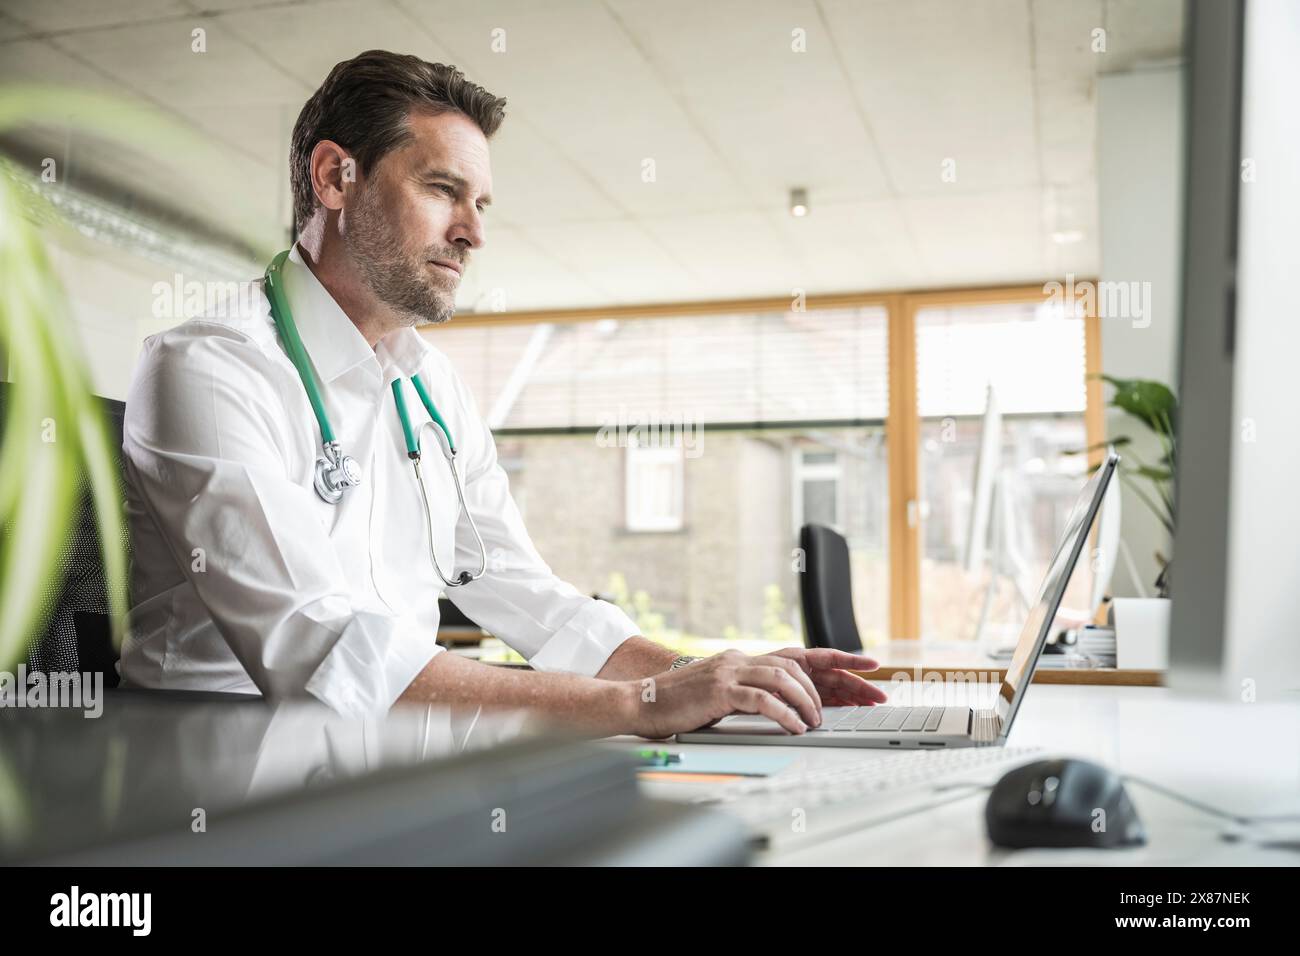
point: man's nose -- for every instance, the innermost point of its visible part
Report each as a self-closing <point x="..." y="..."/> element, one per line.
<point x="467" y="232"/>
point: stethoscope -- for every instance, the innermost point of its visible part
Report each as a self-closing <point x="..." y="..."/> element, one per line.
<point x="335" y="471"/>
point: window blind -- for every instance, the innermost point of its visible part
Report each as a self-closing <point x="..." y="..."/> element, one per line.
<point x="734" y="368"/>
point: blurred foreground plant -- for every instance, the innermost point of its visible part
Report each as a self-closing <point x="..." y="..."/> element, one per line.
<point x="54" y="435"/>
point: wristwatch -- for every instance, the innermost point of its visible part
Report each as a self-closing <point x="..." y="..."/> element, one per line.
<point x="682" y="662"/>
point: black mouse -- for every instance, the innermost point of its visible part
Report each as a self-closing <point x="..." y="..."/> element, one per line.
<point x="1062" y="803"/>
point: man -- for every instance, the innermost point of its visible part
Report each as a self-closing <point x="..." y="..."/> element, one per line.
<point x="246" y="580"/>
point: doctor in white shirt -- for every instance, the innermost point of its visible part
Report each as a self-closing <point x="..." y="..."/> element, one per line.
<point x="246" y="579"/>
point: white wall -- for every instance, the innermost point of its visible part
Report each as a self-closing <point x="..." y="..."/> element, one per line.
<point x="1264" y="508"/>
<point x="1140" y="175"/>
<point x="110" y="294"/>
<point x="112" y="301"/>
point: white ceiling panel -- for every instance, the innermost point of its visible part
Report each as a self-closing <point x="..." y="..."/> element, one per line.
<point x="731" y="115"/>
<point x="729" y="63"/>
<point x="647" y="269"/>
<point x="615" y="114"/>
<point x="44" y="16"/>
<point x="972" y="239"/>
<point x="514" y="272"/>
<point x="942" y="82"/>
<point x="338" y="29"/>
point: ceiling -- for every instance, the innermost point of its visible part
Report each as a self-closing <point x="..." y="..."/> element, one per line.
<point x="732" y="117"/>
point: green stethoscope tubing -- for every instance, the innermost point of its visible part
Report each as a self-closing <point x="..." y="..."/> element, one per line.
<point x="288" y="330"/>
<point x="336" y="471"/>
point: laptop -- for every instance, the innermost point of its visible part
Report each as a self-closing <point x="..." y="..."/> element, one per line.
<point x="940" y="727"/>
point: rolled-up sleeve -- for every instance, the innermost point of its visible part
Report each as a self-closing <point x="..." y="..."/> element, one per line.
<point x="204" y="442"/>
<point x="519" y="599"/>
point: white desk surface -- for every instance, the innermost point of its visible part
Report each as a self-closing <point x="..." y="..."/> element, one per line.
<point x="1241" y="757"/>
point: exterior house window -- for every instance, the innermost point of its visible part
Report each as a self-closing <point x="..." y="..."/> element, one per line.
<point x="655" y="487"/>
<point x="817" y="488"/>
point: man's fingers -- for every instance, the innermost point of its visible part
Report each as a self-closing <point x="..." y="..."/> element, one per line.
<point x="821" y="658"/>
<point x="755" y="700"/>
<point x="824" y="657"/>
<point x="778" y="680"/>
<point x="792" y="668"/>
<point x="851" y="687"/>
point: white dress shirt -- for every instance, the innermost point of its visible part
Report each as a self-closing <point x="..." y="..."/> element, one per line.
<point x="244" y="580"/>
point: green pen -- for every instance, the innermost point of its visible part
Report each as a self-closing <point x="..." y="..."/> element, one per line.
<point x="658" y="758"/>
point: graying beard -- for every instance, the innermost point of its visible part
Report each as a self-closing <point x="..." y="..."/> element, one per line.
<point x="406" y="296"/>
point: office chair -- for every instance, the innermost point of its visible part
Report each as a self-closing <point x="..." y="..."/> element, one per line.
<point x="826" y="591"/>
<point x="77" y="636"/>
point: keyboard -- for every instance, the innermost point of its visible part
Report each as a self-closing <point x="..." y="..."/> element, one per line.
<point x="844" y="797"/>
<point x="881" y="717"/>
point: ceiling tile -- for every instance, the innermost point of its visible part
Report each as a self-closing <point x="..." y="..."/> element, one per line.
<point x="713" y="93"/>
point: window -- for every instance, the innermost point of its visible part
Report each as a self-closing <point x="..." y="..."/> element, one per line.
<point x="726" y="369"/>
<point x="654" y="488"/>
<point x="662" y="459"/>
<point x="817" y="491"/>
<point x="669" y="462"/>
<point x="1033" y="357"/>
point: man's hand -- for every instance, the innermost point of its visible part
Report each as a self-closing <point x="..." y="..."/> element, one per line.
<point x="787" y="686"/>
<point x="829" y="670"/>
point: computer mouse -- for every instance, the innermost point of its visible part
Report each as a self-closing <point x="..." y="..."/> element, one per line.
<point x="1062" y="803"/>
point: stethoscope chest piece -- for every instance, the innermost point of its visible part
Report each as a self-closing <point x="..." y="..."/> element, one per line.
<point x="334" y="472"/>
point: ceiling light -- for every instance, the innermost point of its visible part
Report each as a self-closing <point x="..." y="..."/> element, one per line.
<point x="798" y="202"/>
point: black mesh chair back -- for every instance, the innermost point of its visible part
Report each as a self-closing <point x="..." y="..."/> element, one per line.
<point x="77" y="636"/>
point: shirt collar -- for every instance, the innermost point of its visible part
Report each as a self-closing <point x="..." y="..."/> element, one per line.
<point x="405" y="349"/>
<point x="334" y="342"/>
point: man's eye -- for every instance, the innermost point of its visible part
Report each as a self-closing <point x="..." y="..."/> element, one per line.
<point x="449" y="190"/>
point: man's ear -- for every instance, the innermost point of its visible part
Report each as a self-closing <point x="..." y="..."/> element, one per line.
<point x="332" y="169"/>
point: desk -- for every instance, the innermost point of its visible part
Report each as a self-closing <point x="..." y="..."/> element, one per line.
<point x="296" y="784"/>
<point x="1235" y="756"/>
<point x="905" y="658"/>
<point x="908" y="658"/>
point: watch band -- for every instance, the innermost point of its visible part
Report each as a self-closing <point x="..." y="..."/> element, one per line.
<point x="682" y="662"/>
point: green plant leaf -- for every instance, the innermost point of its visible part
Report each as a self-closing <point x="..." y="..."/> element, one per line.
<point x="1155" y="474"/>
<point x="1118" y="441"/>
<point x="1151" y="402"/>
<point x="41" y="453"/>
<point x="54" y="440"/>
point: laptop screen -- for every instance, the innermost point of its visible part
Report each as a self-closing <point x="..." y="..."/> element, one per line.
<point x="1039" y="623"/>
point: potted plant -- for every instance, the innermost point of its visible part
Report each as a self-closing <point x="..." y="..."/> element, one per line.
<point x="1153" y="405"/>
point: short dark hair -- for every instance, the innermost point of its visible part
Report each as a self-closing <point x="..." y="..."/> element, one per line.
<point x="363" y="106"/>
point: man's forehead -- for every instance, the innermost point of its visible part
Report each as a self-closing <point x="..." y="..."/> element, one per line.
<point x="450" y="141"/>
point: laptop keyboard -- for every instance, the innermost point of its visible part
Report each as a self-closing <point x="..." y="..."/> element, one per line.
<point x="880" y="717"/>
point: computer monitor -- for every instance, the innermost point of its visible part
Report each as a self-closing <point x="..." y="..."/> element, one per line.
<point x="1233" y="583"/>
